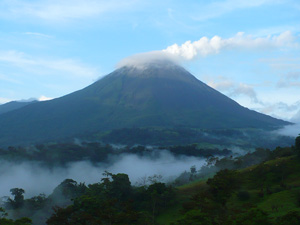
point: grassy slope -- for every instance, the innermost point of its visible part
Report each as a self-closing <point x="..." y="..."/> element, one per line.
<point x="281" y="190"/>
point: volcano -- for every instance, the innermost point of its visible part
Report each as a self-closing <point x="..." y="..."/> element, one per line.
<point x="157" y="94"/>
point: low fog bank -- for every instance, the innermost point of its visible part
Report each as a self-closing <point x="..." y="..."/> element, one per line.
<point x="35" y="178"/>
<point x="290" y="130"/>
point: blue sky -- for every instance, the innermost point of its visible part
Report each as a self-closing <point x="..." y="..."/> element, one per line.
<point x="248" y="50"/>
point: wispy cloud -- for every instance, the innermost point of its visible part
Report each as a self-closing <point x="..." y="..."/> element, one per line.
<point x="247" y="90"/>
<point x="290" y="80"/>
<point x="219" y="8"/>
<point x="27" y="62"/>
<point x="38" y="34"/>
<point x="281" y="109"/>
<point x="57" y="11"/>
<point x="205" y="46"/>
<point x="234" y="89"/>
<point x="8" y="79"/>
<point x="283" y="64"/>
<point x="221" y="83"/>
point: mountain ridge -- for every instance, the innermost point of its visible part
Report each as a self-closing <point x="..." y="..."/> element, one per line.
<point x="13" y="105"/>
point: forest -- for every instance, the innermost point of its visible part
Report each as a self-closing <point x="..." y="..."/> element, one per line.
<point x="59" y="154"/>
<point x="262" y="187"/>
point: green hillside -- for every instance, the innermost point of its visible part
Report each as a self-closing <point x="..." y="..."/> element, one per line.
<point x="266" y="193"/>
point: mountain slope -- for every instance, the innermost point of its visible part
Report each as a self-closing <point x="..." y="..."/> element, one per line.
<point x="157" y="95"/>
<point x="10" y="106"/>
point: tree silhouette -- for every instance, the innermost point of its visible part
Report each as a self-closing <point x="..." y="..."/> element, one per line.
<point x="297" y="145"/>
<point x="18" y="200"/>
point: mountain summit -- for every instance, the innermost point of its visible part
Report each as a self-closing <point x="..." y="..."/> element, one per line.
<point x="157" y="94"/>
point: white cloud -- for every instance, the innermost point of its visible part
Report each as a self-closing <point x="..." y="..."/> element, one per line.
<point x="205" y="46"/>
<point x="4" y="100"/>
<point x="142" y="59"/>
<point x="44" y="98"/>
<point x="65" y="66"/>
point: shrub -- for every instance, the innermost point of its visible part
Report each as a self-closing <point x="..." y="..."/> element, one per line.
<point x="243" y="195"/>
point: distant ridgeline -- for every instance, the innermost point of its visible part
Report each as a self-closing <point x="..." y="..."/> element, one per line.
<point x="61" y="154"/>
<point x="161" y="98"/>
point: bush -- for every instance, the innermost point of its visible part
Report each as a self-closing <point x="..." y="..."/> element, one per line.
<point x="243" y="195"/>
<point x="291" y="218"/>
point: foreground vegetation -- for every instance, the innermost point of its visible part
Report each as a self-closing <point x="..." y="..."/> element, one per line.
<point x="262" y="187"/>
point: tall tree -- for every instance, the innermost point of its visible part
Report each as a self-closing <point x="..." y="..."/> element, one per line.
<point x="18" y="200"/>
<point x="222" y="185"/>
<point x="297" y="145"/>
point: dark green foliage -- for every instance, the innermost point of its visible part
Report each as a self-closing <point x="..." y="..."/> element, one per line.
<point x="230" y="197"/>
<point x="193" y="150"/>
<point x="222" y="185"/>
<point x="18" y="200"/>
<point x="266" y="194"/>
<point x="281" y="152"/>
<point x="196" y="217"/>
<point x="5" y="221"/>
<point x="66" y="191"/>
<point x="247" y="138"/>
<point x="36" y="202"/>
<point x="297" y="145"/>
<point x="117" y="185"/>
<point x="63" y="153"/>
<point x="290" y="218"/>
<point x="60" y="154"/>
<point x="115" y="201"/>
<point x="160" y="197"/>
<point x="22" y="221"/>
<point x="253" y="216"/>
<point x="243" y="195"/>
